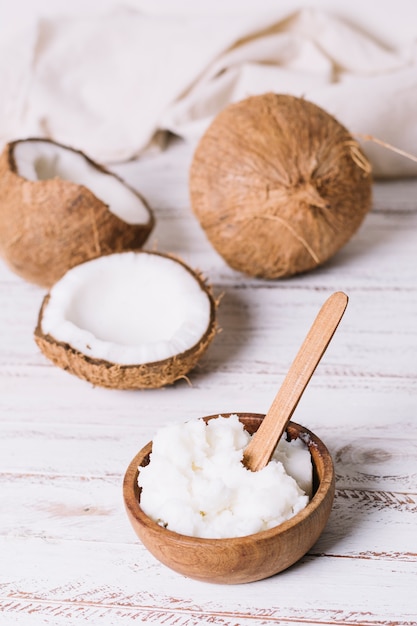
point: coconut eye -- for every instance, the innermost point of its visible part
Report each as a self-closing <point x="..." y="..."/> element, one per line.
<point x="59" y="208"/>
<point x="130" y="320"/>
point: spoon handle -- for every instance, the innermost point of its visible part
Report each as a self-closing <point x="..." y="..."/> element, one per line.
<point x="262" y="445"/>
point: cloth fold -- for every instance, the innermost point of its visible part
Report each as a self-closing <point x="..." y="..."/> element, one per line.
<point x="111" y="84"/>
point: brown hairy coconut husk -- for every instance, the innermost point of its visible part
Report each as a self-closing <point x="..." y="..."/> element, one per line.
<point x="50" y="224"/>
<point x="82" y="356"/>
<point x="278" y="185"/>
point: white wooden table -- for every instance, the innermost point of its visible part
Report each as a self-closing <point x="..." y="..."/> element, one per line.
<point x="68" y="554"/>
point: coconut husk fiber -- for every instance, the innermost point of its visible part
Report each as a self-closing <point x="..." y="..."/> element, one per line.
<point x="278" y="185"/>
<point x="114" y="376"/>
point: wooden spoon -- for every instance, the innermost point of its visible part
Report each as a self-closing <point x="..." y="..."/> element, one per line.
<point x="262" y="445"/>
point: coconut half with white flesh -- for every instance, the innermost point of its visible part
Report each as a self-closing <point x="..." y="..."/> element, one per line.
<point x="58" y="208"/>
<point x="131" y="320"/>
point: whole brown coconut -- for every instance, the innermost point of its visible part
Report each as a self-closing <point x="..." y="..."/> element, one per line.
<point x="278" y="185"/>
<point x="52" y="224"/>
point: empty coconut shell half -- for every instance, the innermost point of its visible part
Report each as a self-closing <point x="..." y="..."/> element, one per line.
<point x="278" y="185"/>
<point x="131" y="320"/>
<point x="58" y="208"/>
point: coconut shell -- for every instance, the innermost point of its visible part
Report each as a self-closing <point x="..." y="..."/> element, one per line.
<point x="278" y="185"/>
<point x="49" y="226"/>
<point x="103" y="373"/>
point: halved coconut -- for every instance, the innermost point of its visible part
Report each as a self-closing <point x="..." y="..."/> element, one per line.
<point x="130" y="320"/>
<point x="58" y="208"/>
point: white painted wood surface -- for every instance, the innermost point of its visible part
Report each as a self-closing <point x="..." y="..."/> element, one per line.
<point x="68" y="555"/>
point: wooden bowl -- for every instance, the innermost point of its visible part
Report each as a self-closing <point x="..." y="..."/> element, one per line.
<point x="238" y="559"/>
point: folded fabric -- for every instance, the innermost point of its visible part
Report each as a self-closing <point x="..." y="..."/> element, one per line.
<point x="112" y="85"/>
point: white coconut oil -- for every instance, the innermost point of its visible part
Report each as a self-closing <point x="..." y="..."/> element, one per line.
<point x="196" y="484"/>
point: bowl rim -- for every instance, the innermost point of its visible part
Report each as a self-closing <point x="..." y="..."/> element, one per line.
<point x="136" y="512"/>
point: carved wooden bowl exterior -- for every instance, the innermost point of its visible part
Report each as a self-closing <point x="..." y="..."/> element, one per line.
<point x="238" y="559"/>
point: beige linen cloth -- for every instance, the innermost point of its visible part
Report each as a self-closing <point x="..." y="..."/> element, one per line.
<point x="111" y="85"/>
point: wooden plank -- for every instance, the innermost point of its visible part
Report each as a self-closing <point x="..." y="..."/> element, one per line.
<point x="82" y="508"/>
<point x="113" y="584"/>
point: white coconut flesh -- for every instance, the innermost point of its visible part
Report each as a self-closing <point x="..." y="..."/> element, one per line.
<point x="128" y="308"/>
<point x="43" y="160"/>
